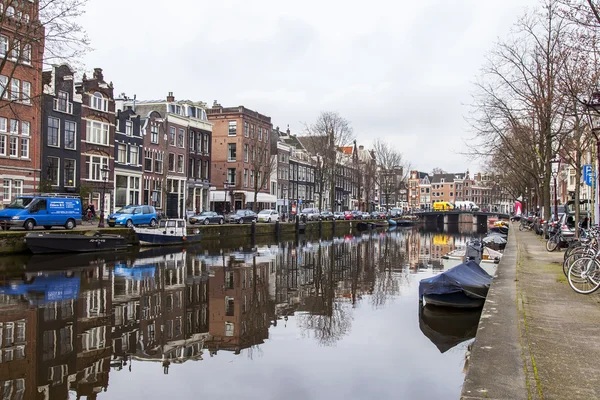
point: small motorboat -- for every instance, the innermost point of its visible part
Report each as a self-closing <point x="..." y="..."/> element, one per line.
<point x="464" y="286"/>
<point x="489" y="255"/>
<point x="91" y="241"/>
<point x="392" y="222"/>
<point x="363" y="226"/>
<point x="168" y="232"/>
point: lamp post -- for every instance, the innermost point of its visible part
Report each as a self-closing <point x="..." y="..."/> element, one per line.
<point x="104" y="172"/>
<point x="555" y="166"/>
<point x="592" y="107"/>
<point x="225" y="187"/>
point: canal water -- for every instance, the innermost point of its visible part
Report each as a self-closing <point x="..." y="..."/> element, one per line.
<point x="329" y="319"/>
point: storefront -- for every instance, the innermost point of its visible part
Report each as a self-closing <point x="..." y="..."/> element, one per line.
<point x="128" y="189"/>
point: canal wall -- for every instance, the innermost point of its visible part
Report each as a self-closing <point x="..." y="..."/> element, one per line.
<point x="12" y="242"/>
<point x="496" y="364"/>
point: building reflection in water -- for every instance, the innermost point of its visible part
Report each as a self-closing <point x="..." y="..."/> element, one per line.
<point x="65" y="330"/>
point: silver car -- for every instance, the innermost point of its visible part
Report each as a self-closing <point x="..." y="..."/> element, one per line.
<point x="310" y="214"/>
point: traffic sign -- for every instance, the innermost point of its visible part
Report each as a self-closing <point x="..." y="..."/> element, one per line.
<point x="588" y="174"/>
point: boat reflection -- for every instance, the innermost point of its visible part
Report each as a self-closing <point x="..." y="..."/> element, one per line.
<point x="446" y="328"/>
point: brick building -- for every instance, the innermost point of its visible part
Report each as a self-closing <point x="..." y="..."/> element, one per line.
<point x="128" y="151"/>
<point x="21" y="50"/>
<point x="61" y="120"/>
<point x="97" y="140"/>
<point x="239" y="135"/>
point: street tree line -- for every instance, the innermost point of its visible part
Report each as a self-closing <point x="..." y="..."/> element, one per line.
<point x="529" y="103"/>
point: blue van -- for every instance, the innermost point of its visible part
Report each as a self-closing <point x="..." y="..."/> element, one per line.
<point x="45" y="210"/>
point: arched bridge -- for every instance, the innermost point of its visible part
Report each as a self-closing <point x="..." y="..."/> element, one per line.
<point x="459" y="216"/>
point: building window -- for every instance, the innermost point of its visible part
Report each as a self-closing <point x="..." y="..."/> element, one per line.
<point x="172" y="133"/>
<point x="266" y="136"/>
<point x="13" y="146"/>
<point x="232" y="128"/>
<point x="24" y="148"/>
<point x="97" y="132"/>
<point x="158" y="163"/>
<point x="53" y="167"/>
<point x="260" y="130"/>
<point x="181" y="138"/>
<point x="206" y="170"/>
<point x="231" y="176"/>
<point x="129" y="128"/>
<point x="134" y="155"/>
<point x="3" y="45"/>
<point x="148" y="160"/>
<point x="231" y="152"/>
<point x="245" y="178"/>
<point x="229" y="329"/>
<point x="4" y="86"/>
<point x="26" y="54"/>
<point x="191" y="145"/>
<point x="70" y="135"/>
<point x="15" y="89"/>
<point x="246" y="129"/>
<point x="69" y="173"/>
<point x="25" y="128"/>
<point x="93" y="165"/>
<point x="171" y="162"/>
<point x="154" y="134"/>
<point x="205" y="148"/>
<point x="14" y="126"/>
<point x="2" y="145"/>
<point x="245" y="153"/>
<point x="15" y="50"/>
<point x="26" y="93"/>
<point x="122" y="153"/>
<point x="99" y="102"/>
<point x="180" y="163"/>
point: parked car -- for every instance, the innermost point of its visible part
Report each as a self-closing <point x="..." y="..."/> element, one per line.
<point x="242" y="216"/>
<point x="395" y="212"/>
<point x="310" y="214"/>
<point x="327" y="216"/>
<point x="338" y="215"/>
<point x="268" y="216"/>
<point x="348" y="215"/>
<point x="376" y="215"/>
<point x="357" y="214"/>
<point x="207" y="217"/>
<point x="133" y="215"/>
<point x="189" y="214"/>
<point x="47" y="211"/>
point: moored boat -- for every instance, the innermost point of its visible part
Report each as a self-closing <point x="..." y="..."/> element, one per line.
<point x="42" y="243"/>
<point x="168" y="232"/>
<point x="464" y="286"/>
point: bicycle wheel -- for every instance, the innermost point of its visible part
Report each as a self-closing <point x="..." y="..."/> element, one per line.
<point x="584" y="275"/>
<point x="552" y="243"/>
<point x="575" y="255"/>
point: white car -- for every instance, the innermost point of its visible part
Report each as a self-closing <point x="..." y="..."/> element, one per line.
<point x="268" y="216"/>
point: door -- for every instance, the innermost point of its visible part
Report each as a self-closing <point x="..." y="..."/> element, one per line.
<point x="172" y="205"/>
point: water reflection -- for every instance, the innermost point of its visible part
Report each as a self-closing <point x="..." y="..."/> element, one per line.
<point x="68" y="322"/>
<point x="447" y="328"/>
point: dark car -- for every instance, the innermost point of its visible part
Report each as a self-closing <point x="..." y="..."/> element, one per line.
<point x="357" y="214"/>
<point x="242" y="216"/>
<point x="327" y="216"/>
<point x="207" y="217"/>
<point x="376" y="215"/>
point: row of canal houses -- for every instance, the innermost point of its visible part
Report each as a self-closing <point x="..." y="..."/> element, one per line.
<point x="176" y="155"/>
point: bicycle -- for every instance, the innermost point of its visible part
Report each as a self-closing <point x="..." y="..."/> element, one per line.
<point x="90" y="218"/>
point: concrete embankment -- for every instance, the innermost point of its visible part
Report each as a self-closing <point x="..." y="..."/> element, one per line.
<point x="537" y="338"/>
<point x="12" y="242"/>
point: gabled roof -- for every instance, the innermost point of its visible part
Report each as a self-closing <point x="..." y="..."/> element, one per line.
<point x="437" y="178"/>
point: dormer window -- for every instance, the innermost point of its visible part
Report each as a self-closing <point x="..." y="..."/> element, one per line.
<point x="10" y="11"/>
<point x="99" y="102"/>
<point x="129" y="128"/>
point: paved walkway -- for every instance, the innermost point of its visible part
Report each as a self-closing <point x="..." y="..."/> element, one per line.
<point x="554" y="330"/>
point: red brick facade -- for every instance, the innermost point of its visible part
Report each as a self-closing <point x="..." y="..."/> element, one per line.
<point x="21" y="54"/>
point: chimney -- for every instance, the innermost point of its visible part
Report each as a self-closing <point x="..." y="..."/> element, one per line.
<point x="98" y="74"/>
<point x="170" y="97"/>
<point x="288" y="129"/>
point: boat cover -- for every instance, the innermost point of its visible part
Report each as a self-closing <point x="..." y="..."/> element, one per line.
<point x="468" y="278"/>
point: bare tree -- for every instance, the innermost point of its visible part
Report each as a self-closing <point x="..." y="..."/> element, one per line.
<point x="262" y="165"/>
<point x="519" y="93"/>
<point x="437" y="171"/>
<point x="325" y="137"/>
<point x="392" y="170"/>
<point x="40" y="36"/>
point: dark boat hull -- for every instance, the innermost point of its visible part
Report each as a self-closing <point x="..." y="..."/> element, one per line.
<point x="157" y="239"/>
<point x="44" y="243"/>
<point x="454" y="300"/>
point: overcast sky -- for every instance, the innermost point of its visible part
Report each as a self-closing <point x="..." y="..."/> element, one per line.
<point x="398" y="70"/>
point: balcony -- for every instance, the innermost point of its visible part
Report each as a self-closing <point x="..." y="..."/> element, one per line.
<point x="63" y="106"/>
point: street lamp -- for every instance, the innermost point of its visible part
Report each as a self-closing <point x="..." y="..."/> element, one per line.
<point x="225" y="187"/>
<point x="593" y="111"/>
<point x="104" y="172"/>
<point x="555" y="166"/>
